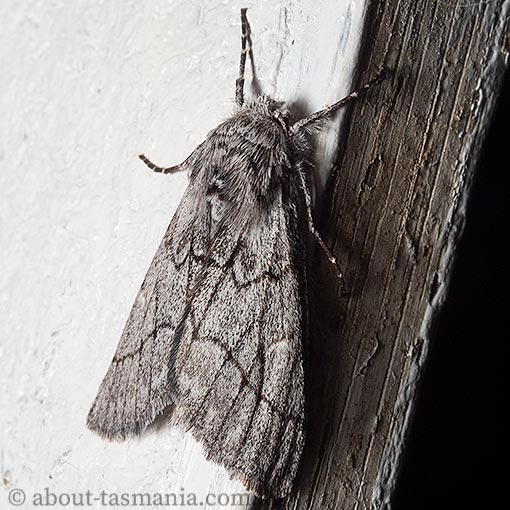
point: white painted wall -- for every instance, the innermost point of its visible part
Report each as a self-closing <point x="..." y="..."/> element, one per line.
<point x="86" y="86"/>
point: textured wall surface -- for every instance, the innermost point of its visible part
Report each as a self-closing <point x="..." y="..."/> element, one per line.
<point x="86" y="86"/>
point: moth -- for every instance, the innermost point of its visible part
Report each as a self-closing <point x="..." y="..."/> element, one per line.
<point x="216" y="332"/>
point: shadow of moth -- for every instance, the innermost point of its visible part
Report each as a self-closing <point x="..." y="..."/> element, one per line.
<point x="217" y="328"/>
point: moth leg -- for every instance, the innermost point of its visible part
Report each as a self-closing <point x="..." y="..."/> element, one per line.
<point x="159" y="169"/>
<point x="245" y="48"/>
<point x="327" y="112"/>
<point x="318" y="238"/>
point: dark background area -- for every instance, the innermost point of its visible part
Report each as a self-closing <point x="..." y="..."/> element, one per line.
<point x="458" y="419"/>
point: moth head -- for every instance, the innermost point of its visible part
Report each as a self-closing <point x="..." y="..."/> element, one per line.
<point x="276" y="110"/>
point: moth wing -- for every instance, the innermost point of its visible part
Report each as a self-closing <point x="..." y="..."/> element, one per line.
<point x="239" y="367"/>
<point x="136" y="389"/>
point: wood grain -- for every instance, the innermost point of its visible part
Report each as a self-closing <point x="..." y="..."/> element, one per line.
<point x="396" y="211"/>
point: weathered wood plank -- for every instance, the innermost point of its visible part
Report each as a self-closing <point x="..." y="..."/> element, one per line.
<point x="397" y="209"/>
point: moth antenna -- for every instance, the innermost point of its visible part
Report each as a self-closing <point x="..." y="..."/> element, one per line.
<point x="245" y="48"/>
<point x="160" y="169"/>
<point x="327" y="112"/>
